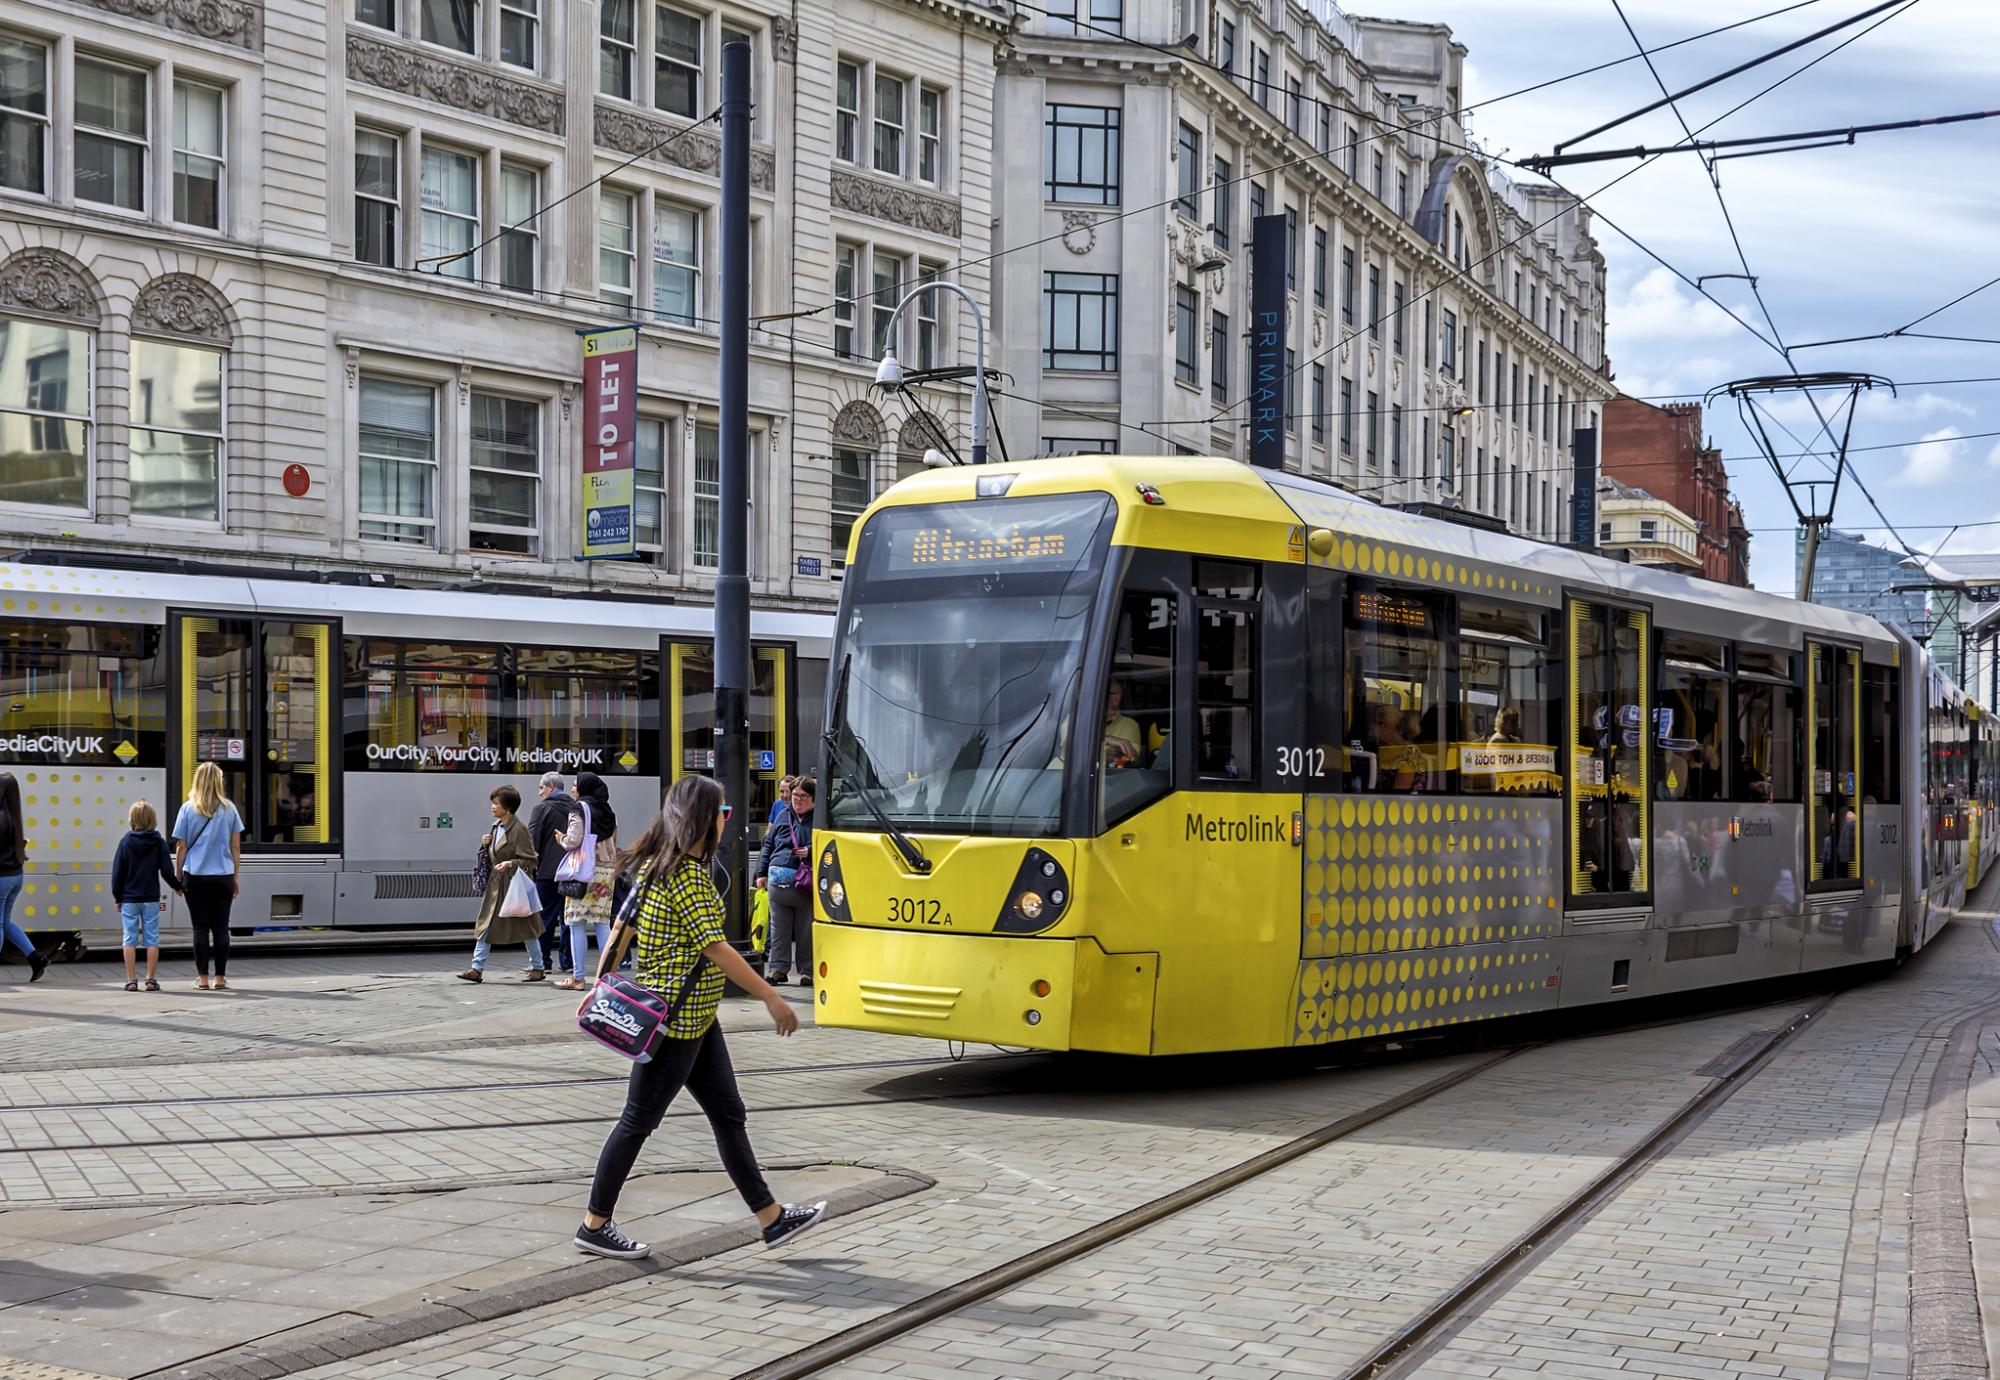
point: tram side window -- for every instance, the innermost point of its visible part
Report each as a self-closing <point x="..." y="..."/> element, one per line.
<point x="1506" y="731"/>
<point x="82" y="695"/>
<point x="1225" y="672"/>
<point x="585" y="709"/>
<point x="1690" y="717"/>
<point x="1137" y="746"/>
<point x="424" y="706"/>
<point x="1763" y="732"/>
<point x="1835" y="857"/>
<point x="1882" y="774"/>
<point x="1395" y="650"/>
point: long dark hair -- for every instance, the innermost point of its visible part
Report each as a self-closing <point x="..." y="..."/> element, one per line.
<point x="684" y="828"/>
<point x="12" y="845"/>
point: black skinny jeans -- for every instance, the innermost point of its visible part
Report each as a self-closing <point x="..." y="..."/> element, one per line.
<point x="702" y="1067"/>
<point x="208" y="902"/>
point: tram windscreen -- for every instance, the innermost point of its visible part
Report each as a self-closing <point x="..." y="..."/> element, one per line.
<point x="961" y="656"/>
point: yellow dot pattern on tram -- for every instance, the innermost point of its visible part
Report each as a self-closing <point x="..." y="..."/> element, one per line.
<point x="73" y="820"/>
<point x="1467" y="936"/>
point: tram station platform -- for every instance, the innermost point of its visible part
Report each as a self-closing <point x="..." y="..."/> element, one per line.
<point x="353" y="1166"/>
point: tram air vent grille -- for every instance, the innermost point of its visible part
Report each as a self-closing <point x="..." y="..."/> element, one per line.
<point x="909" y="1001"/>
<point x="423" y="886"/>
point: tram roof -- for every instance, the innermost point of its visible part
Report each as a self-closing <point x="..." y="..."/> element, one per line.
<point x="112" y="595"/>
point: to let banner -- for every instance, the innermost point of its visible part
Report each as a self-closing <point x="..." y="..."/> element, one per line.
<point x="610" y="423"/>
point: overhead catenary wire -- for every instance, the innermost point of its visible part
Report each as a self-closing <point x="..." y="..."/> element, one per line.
<point x="1908" y="328"/>
<point x="1839" y="136"/>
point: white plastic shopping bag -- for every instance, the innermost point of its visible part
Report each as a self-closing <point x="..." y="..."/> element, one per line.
<point x="521" y="899"/>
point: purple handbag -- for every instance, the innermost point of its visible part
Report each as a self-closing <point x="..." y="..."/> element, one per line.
<point x="621" y="1015"/>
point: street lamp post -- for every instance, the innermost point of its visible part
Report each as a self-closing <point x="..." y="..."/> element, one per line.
<point x="889" y="374"/>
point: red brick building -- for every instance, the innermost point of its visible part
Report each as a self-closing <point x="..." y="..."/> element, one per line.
<point x="1662" y="450"/>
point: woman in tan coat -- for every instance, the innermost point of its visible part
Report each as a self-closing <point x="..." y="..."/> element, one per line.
<point x="509" y="847"/>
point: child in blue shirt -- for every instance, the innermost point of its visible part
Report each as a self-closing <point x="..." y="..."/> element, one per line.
<point x="142" y="862"/>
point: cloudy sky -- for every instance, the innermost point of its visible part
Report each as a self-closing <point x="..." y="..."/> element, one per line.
<point x="1846" y="241"/>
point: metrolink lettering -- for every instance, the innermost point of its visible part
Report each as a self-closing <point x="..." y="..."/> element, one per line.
<point x="53" y="743"/>
<point x="1202" y="829"/>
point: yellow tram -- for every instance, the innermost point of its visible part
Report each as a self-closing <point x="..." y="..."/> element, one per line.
<point x="1159" y="756"/>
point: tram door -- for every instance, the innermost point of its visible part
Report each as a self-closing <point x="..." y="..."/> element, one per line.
<point x="1610" y="718"/>
<point x="691" y="720"/>
<point x="258" y="697"/>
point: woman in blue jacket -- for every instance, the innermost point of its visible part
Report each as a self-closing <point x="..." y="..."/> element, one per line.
<point x="784" y="870"/>
<point x="142" y="862"/>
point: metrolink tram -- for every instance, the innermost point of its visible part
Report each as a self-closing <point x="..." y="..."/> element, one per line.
<point x="359" y="725"/>
<point x="1164" y="756"/>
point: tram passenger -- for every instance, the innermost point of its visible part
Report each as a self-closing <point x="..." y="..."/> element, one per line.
<point x="679" y="929"/>
<point x="1507" y="726"/>
<point x="208" y="851"/>
<point x="13" y="864"/>
<point x="1122" y="738"/>
<point x="141" y="863"/>
<point x="784" y="873"/>
<point x="592" y="910"/>
<point x="510" y="847"/>
<point x="545" y="828"/>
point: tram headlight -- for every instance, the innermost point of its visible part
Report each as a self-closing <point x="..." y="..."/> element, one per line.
<point x="836" y="893"/>
<point x="1033" y="1017"/>
<point x="1039" y="897"/>
<point x="1029" y="904"/>
<point x="832" y="888"/>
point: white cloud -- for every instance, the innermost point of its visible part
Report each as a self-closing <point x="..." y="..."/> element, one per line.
<point x="1658" y="308"/>
<point x="1932" y="459"/>
<point x="1993" y="456"/>
<point x="1873" y="405"/>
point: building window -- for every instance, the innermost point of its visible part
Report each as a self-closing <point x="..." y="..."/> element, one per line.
<point x="1481" y="375"/>
<point x="853" y="489"/>
<point x="1402" y="194"/>
<point x="1347" y="286"/>
<point x="649" y="486"/>
<point x="110" y="142"/>
<point x="1260" y="76"/>
<point x="1319" y="267"/>
<point x="1218" y="357"/>
<point x="1187" y="331"/>
<point x="448" y="189"/>
<point x="1078" y="445"/>
<point x="177" y="431"/>
<point x="1424" y="453"/>
<point x="1082" y="154"/>
<point x="930" y="135"/>
<point x="1381" y="186"/>
<point x="1534" y="300"/>
<point x="1372" y="421"/>
<point x="847" y="112"/>
<point x="617" y="248"/>
<point x="1080" y="321"/>
<point x="617" y="47"/>
<point x="520" y="198"/>
<point x="506" y="474"/>
<point x="1259" y="200"/>
<point x="1395" y="438"/>
<point x="1347" y="416"/>
<point x="1352" y="154"/>
<point x="1218" y="222"/>
<point x="1562" y="324"/>
<point x="1396" y="303"/>
<point x="1430" y="335"/>
<point x="705" y="486"/>
<point x="197" y="155"/>
<point x="398" y="470"/>
<point x="888" y="292"/>
<point x="1325" y="141"/>
<point x="1291" y="393"/>
<point x="929" y="323"/>
<point x="676" y="62"/>
<point x="45" y="414"/>
<point x="1188" y="202"/>
<point x="846" y="287"/>
<point x="1099" y="16"/>
<point x="1225" y="46"/>
<point x="1295" y="106"/>
<point x="450" y="23"/>
<point x="379" y="13"/>
<point x="890" y="117"/>
<point x="677" y="263"/>
<point x="1291" y="250"/>
<point x="377" y="197"/>
<point x="1319" y="404"/>
<point x="1603" y="532"/>
<point x="1448" y="360"/>
<point x="1447" y="453"/>
<point x="1649" y="529"/>
<point x="24" y="115"/>
<point x="1374" y="302"/>
<point x="520" y="33"/>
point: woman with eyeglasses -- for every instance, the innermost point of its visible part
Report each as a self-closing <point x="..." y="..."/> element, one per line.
<point x="677" y="918"/>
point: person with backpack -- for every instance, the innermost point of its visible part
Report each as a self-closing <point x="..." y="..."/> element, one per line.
<point x="13" y="867"/>
<point x="208" y="852"/>
<point x="591" y="818"/>
<point x="784" y="873"/>
<point x="141" y="863"/>
<point x="677" y="919"/>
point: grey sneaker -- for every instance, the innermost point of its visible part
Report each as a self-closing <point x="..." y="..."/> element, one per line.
<point x="793" y="1221"/>
<point x="607" y="1240"/>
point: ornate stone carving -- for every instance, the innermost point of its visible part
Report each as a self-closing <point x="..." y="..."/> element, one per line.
<point x="181" y="304"/>
<point x="1319" y="328"/>
<point x="895" y="202"/>
<point x="692" y="148"/>
<point x="351" y="358"/>
<point x="568" y="399"/>
<point x="1075" y="224"/>
<point x="920" y="432"/>
<point x="460" y="85"/>
<point x="859" y="423"/>
<point x="784" y="39"/>
<point x="234" y="22"/>
<point x="48" y="282"/>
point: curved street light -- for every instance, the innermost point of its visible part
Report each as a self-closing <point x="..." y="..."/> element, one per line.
<point x="889" y="373"/>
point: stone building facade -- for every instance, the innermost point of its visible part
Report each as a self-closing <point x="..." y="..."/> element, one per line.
<point x="1663" y="450"/>
<point x="1445" y="326"/>
<point x="239" y="318"/>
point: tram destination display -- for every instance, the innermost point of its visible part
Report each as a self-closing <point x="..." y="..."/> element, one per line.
<point x="986" y="537"/>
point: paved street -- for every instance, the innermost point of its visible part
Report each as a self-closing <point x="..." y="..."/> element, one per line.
<point x="356" y="1167"/>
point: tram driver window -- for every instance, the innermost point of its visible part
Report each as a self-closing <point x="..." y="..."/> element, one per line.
<point x="1505" y="736"/>
<point x="1689" y="721"/>
<point x="1136" y="749"/>
<point x="1225" y="686"/>
<point x="1763" y="740"/>
<point x="1395" y="654"/>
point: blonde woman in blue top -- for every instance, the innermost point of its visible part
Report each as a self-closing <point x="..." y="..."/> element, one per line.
<point x="208" y="851"/>
<point x="678" y="918"/>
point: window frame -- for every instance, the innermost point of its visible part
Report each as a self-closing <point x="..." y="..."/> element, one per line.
<point x="392" y="240"/>
<point x="898" y="129"/>
<point x="476" y="218"/>
<point x="1577" y="607"/>
<point x="664" y="208"/>
<point x="429" y="526"/>
<point x="931" y="121"/>
<point x="509" y="232"/>
<point x="1105" y="293"/>
<point x="1057" y="119"/>
<point x="219" y="159"/>
<point x="536" y="540"/>
<point x="627" y="296"/>
<point x="698" y="69"/>
<point x="1218" y="356"/>
<point x="1187" y="202"/>
<point x="220" y="434"/>
<point x="43" y="120"/>
<point x="531" y="12"/>
<point x="86" y="419"/>
<point x="1187" y="332"/>
<point x="143" y="141"/>
<point x="1223" y="170"/>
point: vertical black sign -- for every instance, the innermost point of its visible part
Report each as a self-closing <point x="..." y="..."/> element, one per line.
<point x="1268" y="384"/>
<point x="1583" y="489"/>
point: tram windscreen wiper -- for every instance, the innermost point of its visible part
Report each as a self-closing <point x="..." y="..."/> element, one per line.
<point x="905" y="845"/>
